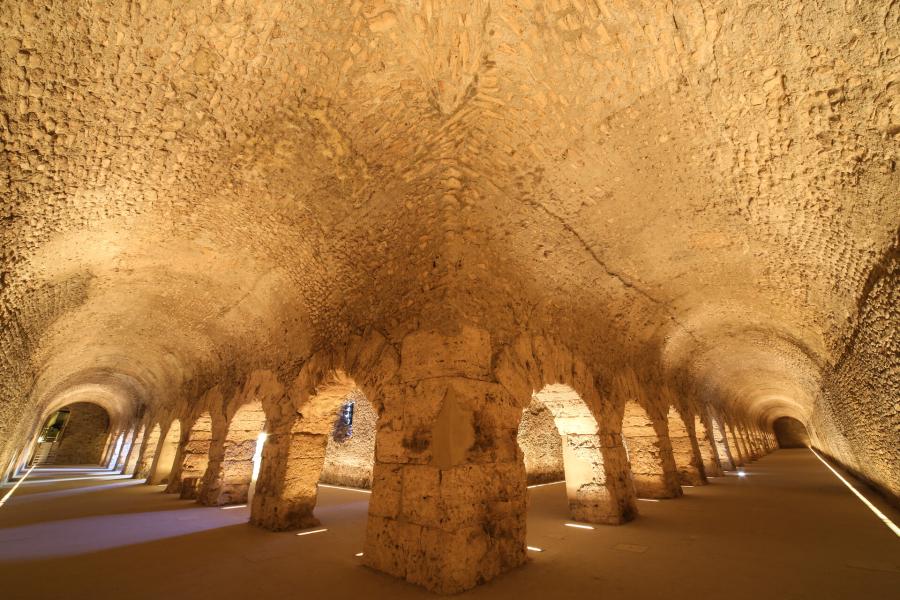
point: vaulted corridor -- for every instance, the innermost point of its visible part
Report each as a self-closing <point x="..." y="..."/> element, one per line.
<point x="256" y="252"/>
<point x="801" y="534"/>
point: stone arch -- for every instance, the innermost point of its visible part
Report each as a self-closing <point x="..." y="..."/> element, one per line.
<point x="148" y="452"/>
<point x="742" y="441"/>
<point x="229" y="476"/>
<point x="582" y="459"/>
<point x="294" y="453"/>
<point x="708" y="450"/>
<point x="643" y="446"/>
<point x="294" y="456"/>
<point x="540" y="373"/>
<point x="166" y="455"/>
<point x="194" y="458"/>
<point x="349" y="459"/>
<point x="685" y="451"/>
<point x="83" y="438"/>
<point x="134" y="453"/>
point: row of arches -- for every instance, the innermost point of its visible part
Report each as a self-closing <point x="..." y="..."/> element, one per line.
<point x="558" y="437"/>
<point x="455" y="432"/>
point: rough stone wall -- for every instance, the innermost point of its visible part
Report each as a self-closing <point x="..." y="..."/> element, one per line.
<point x="857" y="420"/>
<point x="349" y="462"/>
<point x="230" y="471"/>
<point x="168" y="452"/>
<point x="541" y="445"/>
<point x="85" y="436"/>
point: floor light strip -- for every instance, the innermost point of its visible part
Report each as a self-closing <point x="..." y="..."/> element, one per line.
<point x="312" y="532"/>
<point x="233" y="506"/>
<point x="578" y="526"/>
<point x="18" y="483"/>
<point x="537" y="485"/>
<point x="535" y="548"/>
<point x="871" y="506"/>
<point x="349" y="489"/>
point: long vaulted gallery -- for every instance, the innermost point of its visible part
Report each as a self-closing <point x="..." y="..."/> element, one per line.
<point x="497" y="298"/>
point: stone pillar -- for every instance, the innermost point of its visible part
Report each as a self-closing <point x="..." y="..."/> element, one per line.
<point x="230" y="470"/>
<point x="685" y="452"/>
<point x="734" y="445"/>
<point x="724" y="453"/>
<point x="650" y="456"/>
<point x="289" y="475"/>
<point x="448" y="496"/>
<point x="194" y="459"/>
<point x="148" y="453"/>
<point x="706" y="445"/>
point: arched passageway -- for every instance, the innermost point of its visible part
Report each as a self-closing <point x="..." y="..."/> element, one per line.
<point x="350" y="455"/>
<point x="166" y="454"/>
<point x="77" y="434"/>
<point x="574" y="447"/>
<point x="790" y="433"/>
<point x="293" y="459"/>
<point x="687" y="459"/>
<point x="229" y="475"/>
<point x="651" y="479"/>
<point x="194" y="459"/>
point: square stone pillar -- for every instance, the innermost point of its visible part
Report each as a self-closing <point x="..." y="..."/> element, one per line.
<point x="448" y="501"/>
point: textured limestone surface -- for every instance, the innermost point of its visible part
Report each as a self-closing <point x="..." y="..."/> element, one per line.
<point x="86" y="434"/>
<point x="349" y="461"/>
<point x="681" y="203"/>
<point x="790" y="433"/>
<point x="541" y="445"/>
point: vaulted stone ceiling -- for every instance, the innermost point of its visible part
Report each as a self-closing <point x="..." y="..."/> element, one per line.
<point x="193" y="189"/>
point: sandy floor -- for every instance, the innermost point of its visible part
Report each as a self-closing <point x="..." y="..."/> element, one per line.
<point x="788" y="530"/>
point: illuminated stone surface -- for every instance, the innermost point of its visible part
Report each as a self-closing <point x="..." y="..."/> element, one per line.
<point x="677" y="210"/>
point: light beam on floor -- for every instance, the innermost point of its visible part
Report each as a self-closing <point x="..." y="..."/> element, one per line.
<point x="9" y="494"/>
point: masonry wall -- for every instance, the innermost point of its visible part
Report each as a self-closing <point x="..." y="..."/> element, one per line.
<point x="857" y="419"/>
<point x="541" y="445"/>
<point x="85" y="435"/>
<point x="790" y="433"/>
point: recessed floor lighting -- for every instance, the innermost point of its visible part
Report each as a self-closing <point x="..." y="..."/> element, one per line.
<point x="535" y="548"/>
<point x="684" y="486"/>
<point x="537" y="485"/>
<point x="9" y="494"/>
<point x="648" y="499"/>
<point x="233" y="506"/>
<point x="312" y="532"/>
<point x="578" y="526"/>
<point x="358" y="554"/>
<point x="893" y="527"/>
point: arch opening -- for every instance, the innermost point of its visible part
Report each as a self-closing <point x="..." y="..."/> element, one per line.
<point x="724" y="453"/>
<point x="559" y="438"/>
<point x="790" y="433"/>
<point x="131" y="461"/>
<point x="229" y="476"/>
<point x="294" y="458"/>
<point x="690" y="467"/>
<point x="148" y="452"/>
<point x="644" y="451"/>
<point x="166" y="455"/>
<point x="76" y="434"/>
<point x="708" y="450"/>
<point x="194" y="458"/>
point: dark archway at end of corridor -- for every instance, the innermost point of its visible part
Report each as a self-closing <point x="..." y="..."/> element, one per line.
<point x="790" y="433"/>
<point x="76" y="434"/>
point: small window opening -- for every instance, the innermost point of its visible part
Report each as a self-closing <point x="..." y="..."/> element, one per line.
<point x="343" y="427"/>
